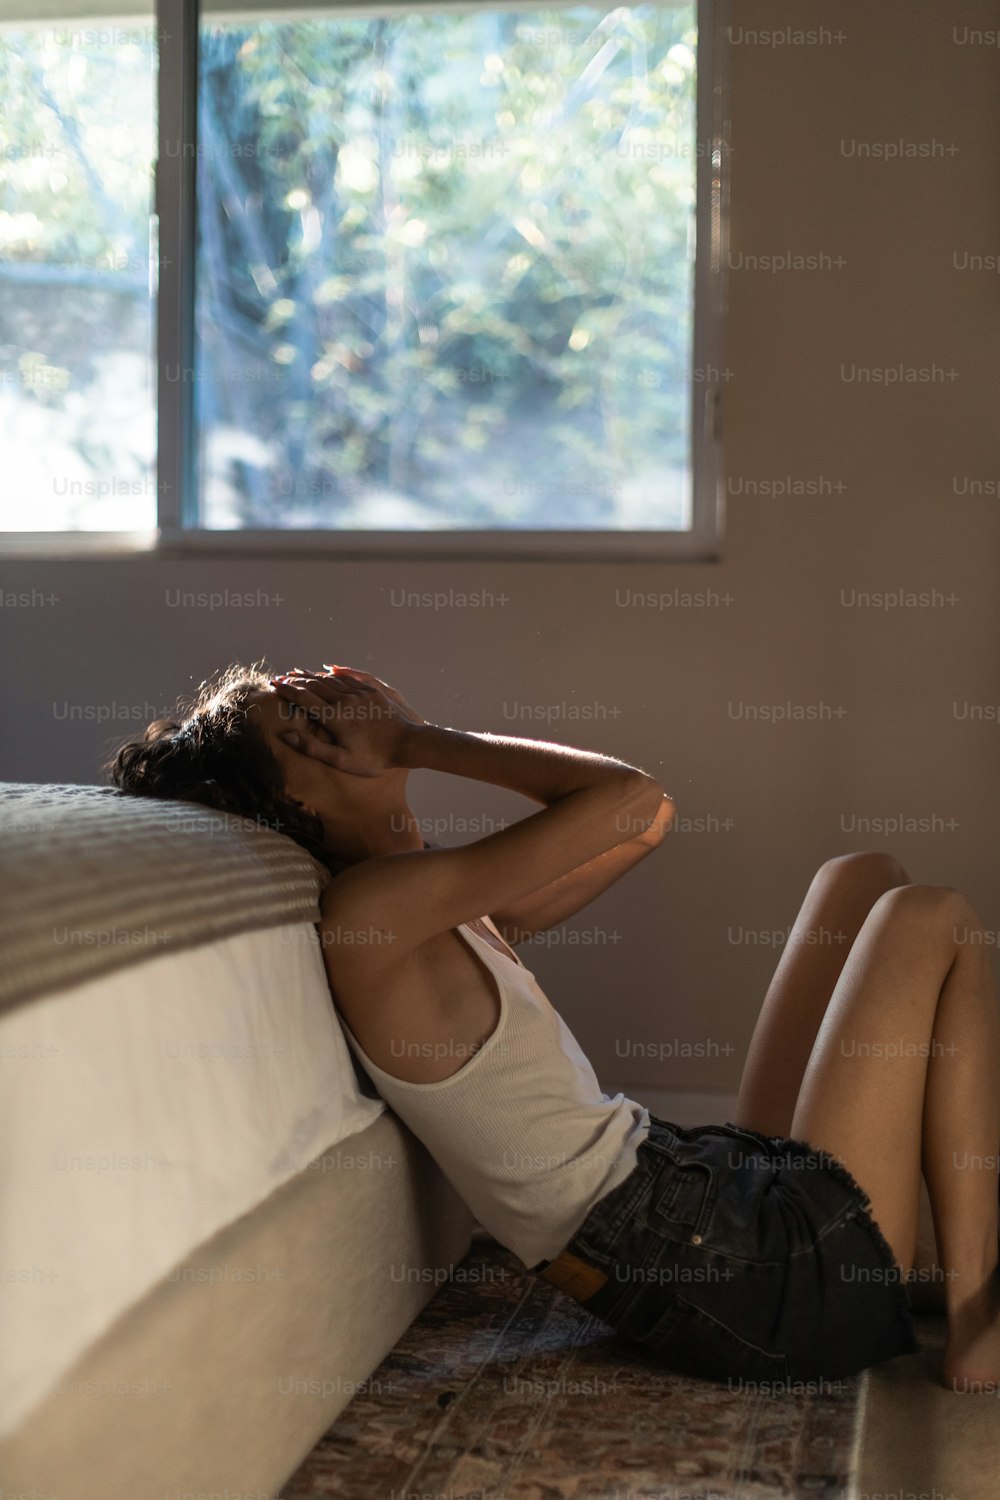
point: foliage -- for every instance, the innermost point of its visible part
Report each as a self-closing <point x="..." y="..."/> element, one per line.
<point x="444" y="266"/>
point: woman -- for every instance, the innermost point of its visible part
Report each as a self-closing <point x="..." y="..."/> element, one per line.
<point x="772" y="1248"/>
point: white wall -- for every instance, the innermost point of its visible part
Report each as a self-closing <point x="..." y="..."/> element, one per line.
<point x="665" y="966"/>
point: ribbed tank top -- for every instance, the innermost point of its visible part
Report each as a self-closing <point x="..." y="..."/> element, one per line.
<point x="522" y="1130"/>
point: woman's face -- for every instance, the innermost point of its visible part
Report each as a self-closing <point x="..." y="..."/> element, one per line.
<point x="306" y="780"/>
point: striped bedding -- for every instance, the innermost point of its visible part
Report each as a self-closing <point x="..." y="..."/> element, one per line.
<point x="94" y="880"/>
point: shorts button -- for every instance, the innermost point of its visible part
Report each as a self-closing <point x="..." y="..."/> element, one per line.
<point x="696" y="1239"/>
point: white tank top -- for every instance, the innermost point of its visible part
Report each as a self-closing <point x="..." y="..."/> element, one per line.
<point x="522" y="1130"/>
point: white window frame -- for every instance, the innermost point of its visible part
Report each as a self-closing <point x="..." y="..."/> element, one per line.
<point x="177" y="26"/>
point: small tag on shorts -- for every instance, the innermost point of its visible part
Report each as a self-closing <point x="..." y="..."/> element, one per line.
<point x="574" y="1276"/>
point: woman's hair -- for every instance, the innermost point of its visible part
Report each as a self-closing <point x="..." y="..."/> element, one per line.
<point x="212" y="755"/>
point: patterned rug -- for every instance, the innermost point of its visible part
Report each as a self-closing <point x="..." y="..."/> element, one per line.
<point x="506" y="1389"/>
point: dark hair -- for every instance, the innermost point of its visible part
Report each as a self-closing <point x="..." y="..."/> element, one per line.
<point x="212" y="755"/>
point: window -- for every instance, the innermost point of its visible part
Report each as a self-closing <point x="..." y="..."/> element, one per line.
<point x="434" y="279"/>
<point x="77" y="396"/>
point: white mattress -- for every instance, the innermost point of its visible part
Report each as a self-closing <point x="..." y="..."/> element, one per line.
<point x="141" y="1112"/>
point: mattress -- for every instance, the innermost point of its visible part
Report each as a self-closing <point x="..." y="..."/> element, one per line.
<point x="94" y="880"/>
<point x="222" y="1386"/>
<point x="143" y="1110"/>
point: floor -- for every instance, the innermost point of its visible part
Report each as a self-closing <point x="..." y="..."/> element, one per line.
<point x="922" y="1441"/>
<point x="505" y="1389"/>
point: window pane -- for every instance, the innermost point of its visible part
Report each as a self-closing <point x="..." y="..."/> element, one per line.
<point x="445" y="270"/>
<point x="77" y="393"/>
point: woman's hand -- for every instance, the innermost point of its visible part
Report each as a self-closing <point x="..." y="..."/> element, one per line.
<point x="366" y="720"/>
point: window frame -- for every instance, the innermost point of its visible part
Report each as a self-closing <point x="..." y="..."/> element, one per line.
<point x="174" y="204"/>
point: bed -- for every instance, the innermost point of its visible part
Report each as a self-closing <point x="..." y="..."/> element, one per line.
<point x="211" y="1229"/>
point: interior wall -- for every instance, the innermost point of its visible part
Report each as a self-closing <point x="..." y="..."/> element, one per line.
<point x="666" y="973"/>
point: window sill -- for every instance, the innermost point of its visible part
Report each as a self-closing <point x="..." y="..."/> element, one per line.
<point x="371" y="546"/>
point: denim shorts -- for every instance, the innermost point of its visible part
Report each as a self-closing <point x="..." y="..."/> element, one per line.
<point x="737" y="1256"/>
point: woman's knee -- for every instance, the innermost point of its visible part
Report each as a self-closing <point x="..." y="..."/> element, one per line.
<point x="871" y="870"/>
<point x="938" y="909"/>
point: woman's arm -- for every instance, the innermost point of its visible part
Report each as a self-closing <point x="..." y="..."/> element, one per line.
<point x="588" y="800"/>
<point x="540" y="769"/>
<point x="562" y="898"/>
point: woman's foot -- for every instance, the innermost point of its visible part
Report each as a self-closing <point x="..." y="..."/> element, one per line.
<point x="972" y="1348"/>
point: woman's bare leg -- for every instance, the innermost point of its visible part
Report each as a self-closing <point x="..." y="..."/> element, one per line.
<point x="904" y="1077"/>
<point x="842" y="893"/>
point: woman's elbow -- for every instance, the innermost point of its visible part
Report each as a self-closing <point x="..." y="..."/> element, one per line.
<point x="649" y="804"/>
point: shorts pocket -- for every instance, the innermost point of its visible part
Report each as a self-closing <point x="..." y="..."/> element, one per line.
<point x="680" y="1196"/>
<point x="635" y="1285"/>
<point x="692" y="1342"/>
